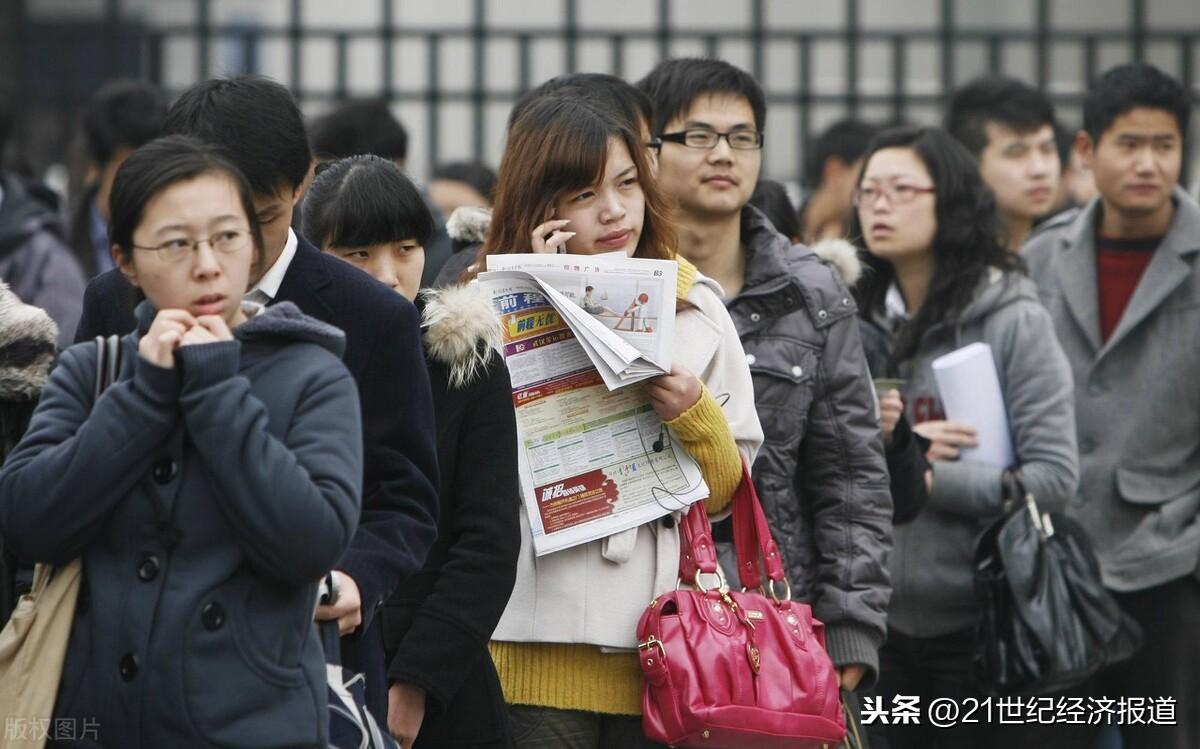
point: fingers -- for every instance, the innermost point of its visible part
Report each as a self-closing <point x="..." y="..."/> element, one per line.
<point x="180" y="316"/>
<point x="216" y="325"/>
<point x="941" y="451"/>
<point x="556" y="239"/>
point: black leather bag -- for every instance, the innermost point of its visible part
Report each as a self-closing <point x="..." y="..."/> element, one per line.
<point x="1047" y="622"/>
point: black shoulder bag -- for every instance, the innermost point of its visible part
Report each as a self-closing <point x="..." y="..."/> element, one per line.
<point x="1047" y="622"/>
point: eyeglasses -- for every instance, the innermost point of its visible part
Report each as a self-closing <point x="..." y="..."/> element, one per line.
<point x="179" y="249"/>
<point x="741" y="140"/>
<point x="896" y="194"/>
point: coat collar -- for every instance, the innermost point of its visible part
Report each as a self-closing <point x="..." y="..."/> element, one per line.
<point x="1168" y="269"/>
<point x="306" y="278"/>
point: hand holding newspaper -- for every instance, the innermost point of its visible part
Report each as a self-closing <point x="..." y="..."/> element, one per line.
<point x="593" y="456"/>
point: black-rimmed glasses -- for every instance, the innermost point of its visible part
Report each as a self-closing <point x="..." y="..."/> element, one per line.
<point x="740" y="140"/>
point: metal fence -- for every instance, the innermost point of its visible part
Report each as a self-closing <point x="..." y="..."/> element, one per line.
<point x="865" y="51"/>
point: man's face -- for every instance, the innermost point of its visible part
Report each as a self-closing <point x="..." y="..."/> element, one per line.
<point x="710" y="181"/>
<point x="1022" y="169"/>
<point x="1136" y="164"/>
<point x="275" y="217"/>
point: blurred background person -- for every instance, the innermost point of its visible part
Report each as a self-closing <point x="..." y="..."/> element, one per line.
<point x="35" y="260"/>
<point x="121" y="117"/>
<point x="1010" y="128"/>
<point x="772" y="199"/>
<point x="831" y="169"/>
<point x="461" y="183"/>
<point x="367" y="126"/>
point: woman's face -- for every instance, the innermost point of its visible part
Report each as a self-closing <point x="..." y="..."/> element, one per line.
<point x="608" y="216"/>
<point x="398" y="265"/>
<point x="193" y="249"/>
<point x="897" y="205"/>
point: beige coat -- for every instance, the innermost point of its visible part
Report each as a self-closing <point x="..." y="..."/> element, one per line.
<point x="595" y="593"/>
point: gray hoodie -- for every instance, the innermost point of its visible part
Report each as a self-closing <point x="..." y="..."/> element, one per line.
<point x="932" y="565"/>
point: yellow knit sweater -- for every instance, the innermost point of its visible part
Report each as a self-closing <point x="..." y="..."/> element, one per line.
<point x="581" y="677"/>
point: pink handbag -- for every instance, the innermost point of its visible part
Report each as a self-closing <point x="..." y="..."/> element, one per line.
<point x="736" y="670"/>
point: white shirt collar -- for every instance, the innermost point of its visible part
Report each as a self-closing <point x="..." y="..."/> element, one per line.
<point x="893" y="303"/>
<point x="273" y="278"/>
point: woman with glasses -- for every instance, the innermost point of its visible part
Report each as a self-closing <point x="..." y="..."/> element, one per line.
<point x="206" y="490"/>
<point x="576" y="178"/>
<point x="941" y="279"/>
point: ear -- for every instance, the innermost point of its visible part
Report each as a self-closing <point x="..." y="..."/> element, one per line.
<point x="125" y="265"/>
<point x="1085" y="148"/>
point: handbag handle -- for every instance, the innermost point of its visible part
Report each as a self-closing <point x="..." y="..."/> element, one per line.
<point x="752" y="538"/>
<point x="697" y="552"/>
<point x="1017" y="498"/>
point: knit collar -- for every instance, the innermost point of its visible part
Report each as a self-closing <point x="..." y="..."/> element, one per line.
<point x="686" y="277"/>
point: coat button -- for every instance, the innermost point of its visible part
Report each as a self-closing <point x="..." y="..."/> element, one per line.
<point x="129" y="666"/>
<point x="750" y="359"/>
<point x="822" y="314"/>
<point x="147" y="569"/>
<point x="165" y="470"/>
<point x="212" y="616"/>
<point x="797" y="371"/>
<point x="668" y="521"/>
<point x="755" y="317"/>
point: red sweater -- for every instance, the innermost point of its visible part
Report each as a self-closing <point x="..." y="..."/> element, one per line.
<point x="1120" y="264"/>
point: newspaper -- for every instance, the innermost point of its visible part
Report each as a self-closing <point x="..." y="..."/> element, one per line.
<point x="621" y="309"/>
<point x="593" y="460"/>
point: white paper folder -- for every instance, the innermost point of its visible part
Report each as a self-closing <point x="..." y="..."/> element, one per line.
<point x="970" y="392"/>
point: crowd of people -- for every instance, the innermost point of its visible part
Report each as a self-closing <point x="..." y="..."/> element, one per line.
<point x="310" y="395"/>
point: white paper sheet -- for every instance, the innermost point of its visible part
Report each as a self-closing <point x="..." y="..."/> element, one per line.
<point x="970" y="393"/>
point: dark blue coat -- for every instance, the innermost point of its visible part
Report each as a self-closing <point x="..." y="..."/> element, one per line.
<point x="384" y="355"/>
<point x="205" y="500"/>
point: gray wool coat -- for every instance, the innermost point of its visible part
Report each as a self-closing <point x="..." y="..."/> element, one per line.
<point x="206" y="501"/>
<point x="1137" y="404"/>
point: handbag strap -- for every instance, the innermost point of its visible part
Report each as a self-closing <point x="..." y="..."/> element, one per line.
<point x="752" y="540"/>
<point x="697" y="552"/>
<point x="108" y="360"/>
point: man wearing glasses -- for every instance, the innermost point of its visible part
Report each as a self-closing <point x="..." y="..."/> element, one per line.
<point x="821" y="473"/>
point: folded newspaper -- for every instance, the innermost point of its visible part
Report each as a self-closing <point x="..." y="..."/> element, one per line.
<point x="593" y="456"/>
<point x="621" y="309"/>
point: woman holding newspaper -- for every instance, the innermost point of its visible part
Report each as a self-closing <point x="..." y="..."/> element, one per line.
<point x="942" y="280"/>
<point x="575" y="179"/>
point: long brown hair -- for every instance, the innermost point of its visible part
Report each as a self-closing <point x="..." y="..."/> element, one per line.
<point x="560" y="144"/>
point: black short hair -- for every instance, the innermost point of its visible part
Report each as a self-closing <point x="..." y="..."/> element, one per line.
<point x="1005" y="101"/>
<point x="1127" y="87"/>
<point x="255" y="120"/>
<point x="772" y="199"/>
<point x="359" y="126"/>
<point x="364" y="200"/>
<point x="159" y="164"/>
<point x="478" y="175"/>
<point x="122" y="114"/>
<point x="846" y="139"/>
<point x="674" y="84"/>
<point x="616" y="95"/>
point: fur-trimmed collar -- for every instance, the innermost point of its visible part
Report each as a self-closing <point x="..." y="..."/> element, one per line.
<point x="461" y="331"/>
<point x="27" y="347"/>
<point x="842" y="257"/>
<point x="469" y="225"/>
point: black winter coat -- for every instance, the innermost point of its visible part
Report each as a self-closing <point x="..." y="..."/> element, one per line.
<point x="821" y="473"/>
<point x="383" y="354"/>
<point x="437" y="626"/>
